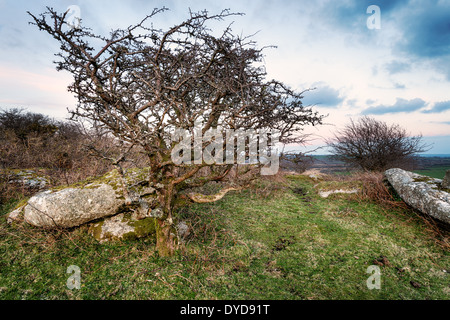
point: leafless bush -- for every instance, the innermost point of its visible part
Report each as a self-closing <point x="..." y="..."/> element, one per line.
<point x="373" y="145"/>
<point x="60" y="149"/>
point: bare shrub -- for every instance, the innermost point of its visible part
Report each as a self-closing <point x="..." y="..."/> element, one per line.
<point x="373" y="145"/>
<point x="60" y="149"/>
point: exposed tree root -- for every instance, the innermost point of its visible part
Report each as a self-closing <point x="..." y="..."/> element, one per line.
<point x="202" y="198"/>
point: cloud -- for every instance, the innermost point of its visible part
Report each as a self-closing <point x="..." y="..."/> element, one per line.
<point x="352" y="102"/>
<point x="399" y="86"/>
<point x="401" y="105"/>
<point x="396" y="66"/>
<point x="323" y="96"/>
<point x="439" y="107"/>
<point x="425" y="32"/>
<point x="441" y="122"/>
<point x="415" y="30"/>
<point x="426" y="29"/>
<point x="353" y="14"/>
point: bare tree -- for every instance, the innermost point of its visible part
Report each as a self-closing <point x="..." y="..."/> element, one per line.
<point x="142" y="84"/>
<point x="373" y="145"/>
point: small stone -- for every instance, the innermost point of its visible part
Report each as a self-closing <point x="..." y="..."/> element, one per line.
<point x="123" y="226"/>
<point x="382" y="261"/>
<point x="183" y="230"/>
<point x="29" y="179"/>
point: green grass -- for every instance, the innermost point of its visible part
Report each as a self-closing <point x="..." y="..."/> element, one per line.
<point x="434" y="172"/>
<point x="265" y="243"/>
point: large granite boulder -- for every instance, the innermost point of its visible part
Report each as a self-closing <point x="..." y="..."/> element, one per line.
<point x="423" y="193"/>
<point x="71" y="207"/>
<point x="88" y="201"/>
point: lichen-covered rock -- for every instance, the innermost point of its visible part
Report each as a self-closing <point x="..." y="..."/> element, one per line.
<point x="27" y="178"/>
<point x="183" y="230"/>
<point x="71" y="207"/>
<point x="446" y="181"/>
<point x="123" y="226"/>
<point x="91" y="200"/>
<point x="421" y="192"/>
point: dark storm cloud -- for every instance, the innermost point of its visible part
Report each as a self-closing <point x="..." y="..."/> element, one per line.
<point x="423" y="27"/>
<point x="426" y="34"/>
<point x="426" y="29"/>
<point x="401" y="105"/>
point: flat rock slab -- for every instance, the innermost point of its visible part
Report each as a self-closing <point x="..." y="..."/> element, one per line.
<point x="325" y="194"/>
<point x="421" y="192"/>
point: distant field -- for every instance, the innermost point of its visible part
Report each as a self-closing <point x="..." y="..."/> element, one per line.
<point x="434" y="172"/>
<point x="430" y="165"/>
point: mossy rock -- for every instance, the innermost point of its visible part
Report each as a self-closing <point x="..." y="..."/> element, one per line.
<point x="33" y="179"/>
<point x="123" y="226"/>
<point x="135" y="177"/>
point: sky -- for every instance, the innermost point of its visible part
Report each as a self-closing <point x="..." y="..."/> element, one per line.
<point x="387" y="59"/>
